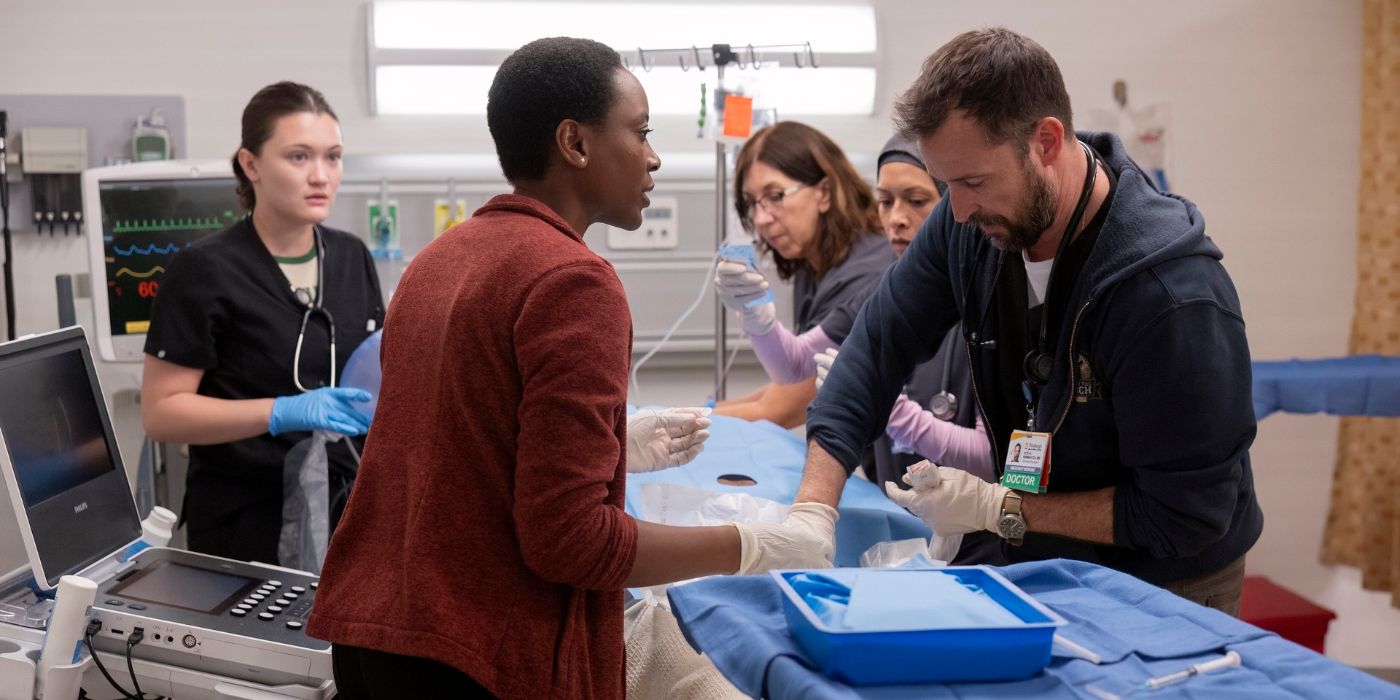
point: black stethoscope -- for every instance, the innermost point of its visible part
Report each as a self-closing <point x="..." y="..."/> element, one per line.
<point x="1040" y="362"/>
<point x="314" y="306"/>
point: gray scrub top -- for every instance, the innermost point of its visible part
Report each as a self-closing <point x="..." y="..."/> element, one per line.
<point x="834" y="301"/>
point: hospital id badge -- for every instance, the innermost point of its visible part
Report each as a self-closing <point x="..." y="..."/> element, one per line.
<point x="1027" y="462"/>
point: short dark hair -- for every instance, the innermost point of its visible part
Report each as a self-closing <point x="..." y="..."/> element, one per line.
<point x="260" y="120"/>
<point x="1005" y="81"/>
<point x="809" y="156"/>
<point x="540" y="85"/>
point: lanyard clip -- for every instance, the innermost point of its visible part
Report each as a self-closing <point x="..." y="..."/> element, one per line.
<point x="1030" y="405"/>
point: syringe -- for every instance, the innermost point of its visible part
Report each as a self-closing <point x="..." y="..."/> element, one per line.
<point x="1230" y="660"/>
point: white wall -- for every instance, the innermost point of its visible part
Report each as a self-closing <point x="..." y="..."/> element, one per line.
<point x="1265" y="97"/>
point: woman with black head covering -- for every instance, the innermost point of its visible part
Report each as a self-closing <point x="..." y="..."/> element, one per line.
<point x="936" y="417"/>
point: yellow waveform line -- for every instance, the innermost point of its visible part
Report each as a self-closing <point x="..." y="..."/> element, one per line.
<point x="139" y="275"/>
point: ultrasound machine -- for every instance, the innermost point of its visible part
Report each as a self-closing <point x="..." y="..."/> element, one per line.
<point x="206" y="627"/>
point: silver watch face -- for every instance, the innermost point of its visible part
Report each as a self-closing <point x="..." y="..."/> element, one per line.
<point x="1011" y="526"/>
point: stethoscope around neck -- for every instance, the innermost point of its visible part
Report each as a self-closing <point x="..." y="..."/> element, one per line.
<point x="944" y="404"/>
<point x="1040" y="361"/>
<point x="314" y="306"/>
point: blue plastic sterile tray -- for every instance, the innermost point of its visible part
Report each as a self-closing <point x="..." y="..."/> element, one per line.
<point x="858" y="657"/>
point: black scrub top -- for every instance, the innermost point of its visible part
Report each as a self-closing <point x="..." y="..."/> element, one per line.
<point x="227" y="308"/>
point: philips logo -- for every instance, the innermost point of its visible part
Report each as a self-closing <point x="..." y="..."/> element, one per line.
<point x="80" y="507"/>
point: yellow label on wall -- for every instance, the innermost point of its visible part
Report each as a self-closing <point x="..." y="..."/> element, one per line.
<point x="445" y="218"/>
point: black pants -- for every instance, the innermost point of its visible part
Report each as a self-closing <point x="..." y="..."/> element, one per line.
<point x="252" y="531"/>
<point x="249" y="534"/>
<point x="366" y="674"/>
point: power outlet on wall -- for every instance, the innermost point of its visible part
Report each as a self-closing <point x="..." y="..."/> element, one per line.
<point x="658" y="231"/>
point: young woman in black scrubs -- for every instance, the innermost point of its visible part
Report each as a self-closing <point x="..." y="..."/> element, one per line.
<point x="254" y="324"/>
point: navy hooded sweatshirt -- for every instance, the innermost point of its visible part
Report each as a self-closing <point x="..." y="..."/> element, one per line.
<point x="1150" y="391"/>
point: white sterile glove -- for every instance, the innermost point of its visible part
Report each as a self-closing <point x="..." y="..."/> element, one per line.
<point x="666" y="438"/>
<point x="737" y="286"/>
<point x="806" y="540"/>
<point x="824" y="359"/>
<point x="950" y="501"/>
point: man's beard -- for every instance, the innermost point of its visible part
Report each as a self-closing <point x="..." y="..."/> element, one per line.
<point x="1036" y="213"/>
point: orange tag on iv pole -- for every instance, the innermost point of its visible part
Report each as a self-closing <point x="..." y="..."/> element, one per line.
<point x="738" y="116"/>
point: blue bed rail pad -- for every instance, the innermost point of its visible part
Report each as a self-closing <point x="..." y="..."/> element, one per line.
<point x="1139" y="630"/>
<point x="1360" y="385"/>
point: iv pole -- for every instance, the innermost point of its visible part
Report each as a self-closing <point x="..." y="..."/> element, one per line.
<point x="722" y="55"/>
<point x="9" y="268"/>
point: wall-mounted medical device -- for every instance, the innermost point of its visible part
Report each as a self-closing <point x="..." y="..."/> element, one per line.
<point x="150" y="140"/>
<point x="53" y="159"/>
<point x="139" y="217"/>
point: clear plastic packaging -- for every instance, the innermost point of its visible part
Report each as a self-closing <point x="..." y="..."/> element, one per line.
<point x="884" y="555"/>
<point x="306" y="504"/>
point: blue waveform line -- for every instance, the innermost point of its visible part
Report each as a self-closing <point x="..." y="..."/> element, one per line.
<point x="167" y="249"/>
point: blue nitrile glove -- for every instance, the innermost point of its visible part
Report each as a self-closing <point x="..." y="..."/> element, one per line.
<point x="744" y="290"/>
<point x="327" y="408"/>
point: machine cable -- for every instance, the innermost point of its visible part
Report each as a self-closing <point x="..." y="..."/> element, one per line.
<point x="93" y="627"/>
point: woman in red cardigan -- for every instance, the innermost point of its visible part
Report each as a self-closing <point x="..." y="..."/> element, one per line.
<point x="485" y="545"/>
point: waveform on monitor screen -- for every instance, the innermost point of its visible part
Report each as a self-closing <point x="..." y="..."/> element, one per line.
<point x="139" y="275"/>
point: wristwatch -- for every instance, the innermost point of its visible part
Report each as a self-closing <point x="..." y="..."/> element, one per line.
<point x="1011" y="524"/>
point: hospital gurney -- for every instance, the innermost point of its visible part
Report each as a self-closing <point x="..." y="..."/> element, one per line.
<point x="1138" y="631"/>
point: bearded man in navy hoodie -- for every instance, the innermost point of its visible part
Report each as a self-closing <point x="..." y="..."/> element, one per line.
<point x="1105" y="338"/>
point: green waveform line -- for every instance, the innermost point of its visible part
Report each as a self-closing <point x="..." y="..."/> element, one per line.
<point x="139" y="275"/>
<point x="162" y="225"/>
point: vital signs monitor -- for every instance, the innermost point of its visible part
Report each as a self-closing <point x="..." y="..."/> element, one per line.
<point x="139" y="217"/>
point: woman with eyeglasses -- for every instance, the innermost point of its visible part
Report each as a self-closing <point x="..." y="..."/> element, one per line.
<point x="253" y="326"/>
<point x="817" y="219"/>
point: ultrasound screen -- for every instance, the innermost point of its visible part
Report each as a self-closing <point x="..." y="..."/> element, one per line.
<point x="179" y="586"/>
